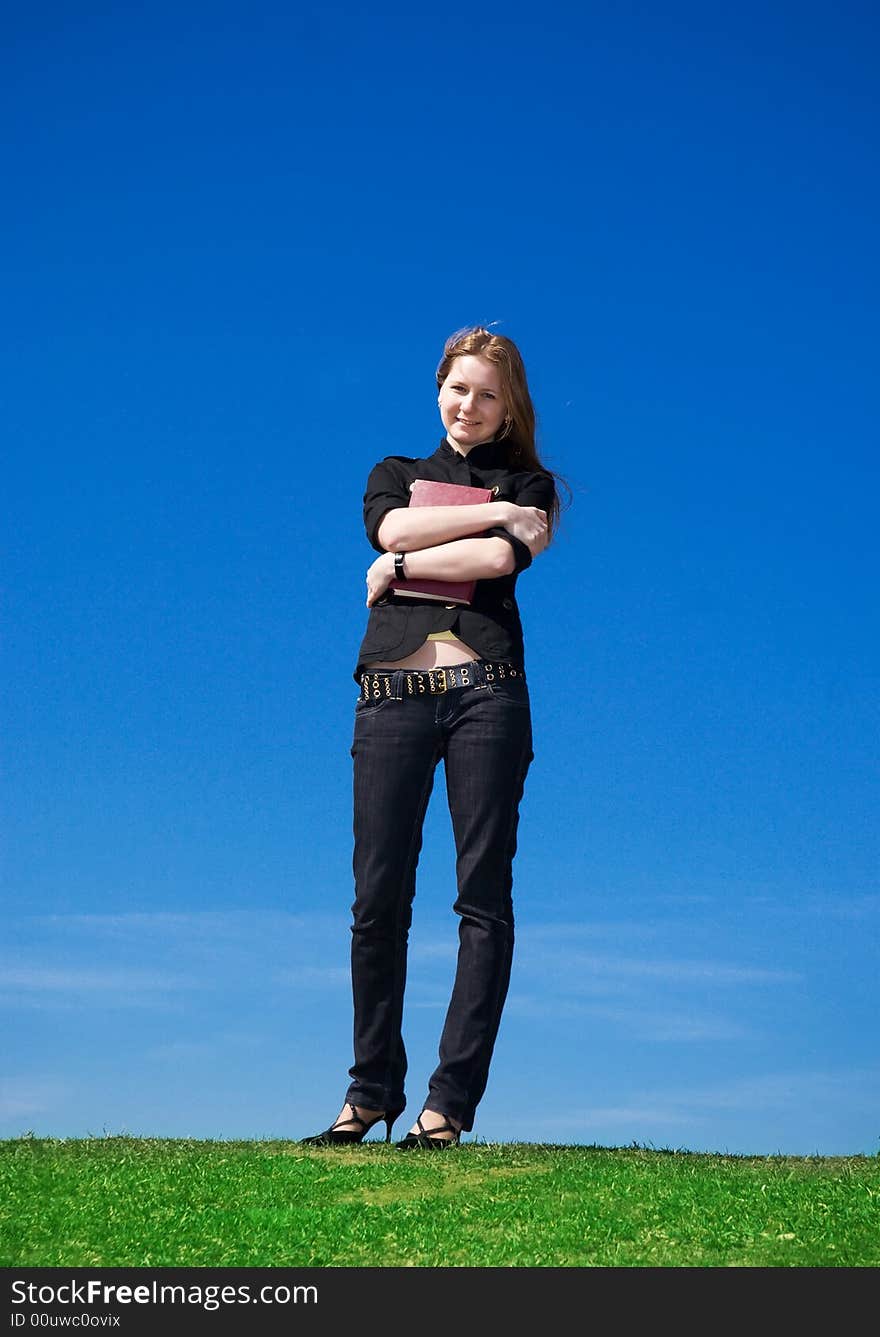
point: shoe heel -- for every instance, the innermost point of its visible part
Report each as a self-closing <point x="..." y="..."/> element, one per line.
<point x="390" y="1120"/>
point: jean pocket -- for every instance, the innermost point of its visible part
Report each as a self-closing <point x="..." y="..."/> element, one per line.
<point x="371" y="706"/>
<point x="513" y="691"/>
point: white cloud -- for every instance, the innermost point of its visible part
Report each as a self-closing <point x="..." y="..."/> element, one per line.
<point x="223" y="1044"/>
<point x="574" y="967"/>
<point x="233" y="924"/>
<point x="652" y="1024"/>
<point x="45" y="979"/>
<point x="858" y="1088"/>
<point x="315" y="977"/>
<point x="782" y="1095"/>
<point x="23" y="1096"/>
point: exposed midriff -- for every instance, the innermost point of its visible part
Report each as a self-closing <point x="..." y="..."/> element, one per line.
<point x="438" y="650"/>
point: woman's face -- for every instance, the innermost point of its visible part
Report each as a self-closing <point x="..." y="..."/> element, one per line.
<point x="471" y="402"/>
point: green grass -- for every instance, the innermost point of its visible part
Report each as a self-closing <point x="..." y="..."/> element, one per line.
<point x="134" y="1202"/>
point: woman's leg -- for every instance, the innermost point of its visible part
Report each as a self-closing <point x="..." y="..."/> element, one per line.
<point x="488" y="751"/>
<point x="396" y="748"/>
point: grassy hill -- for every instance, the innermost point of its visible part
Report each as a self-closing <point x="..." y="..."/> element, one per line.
<point x="133" y="1202"/>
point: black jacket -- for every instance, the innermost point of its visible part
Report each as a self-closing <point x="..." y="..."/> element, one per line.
<point x="491" y="624"/>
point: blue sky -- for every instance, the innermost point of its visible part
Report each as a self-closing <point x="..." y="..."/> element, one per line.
<point x="234" y="241"/>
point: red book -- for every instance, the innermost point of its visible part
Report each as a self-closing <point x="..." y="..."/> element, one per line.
<point x="425" y="492"/>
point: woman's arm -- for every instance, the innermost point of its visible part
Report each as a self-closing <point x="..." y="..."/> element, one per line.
<point x="407" y="528"/>
<point x="461" y="559"/>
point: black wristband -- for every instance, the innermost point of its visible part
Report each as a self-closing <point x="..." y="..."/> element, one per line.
<point x="399" y="573"/>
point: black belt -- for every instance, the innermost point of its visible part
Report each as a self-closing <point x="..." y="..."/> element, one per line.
<point x="401" y="683"/>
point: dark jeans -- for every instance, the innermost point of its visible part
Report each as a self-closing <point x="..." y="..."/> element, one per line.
<point x="484" y="735"/>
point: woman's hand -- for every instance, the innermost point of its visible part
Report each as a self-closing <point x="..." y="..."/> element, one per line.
<point x="379" y="577"/>
<point x="529" y="524"/>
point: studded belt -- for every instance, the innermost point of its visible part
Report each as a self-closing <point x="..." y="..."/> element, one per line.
<point x="401" y="683"/>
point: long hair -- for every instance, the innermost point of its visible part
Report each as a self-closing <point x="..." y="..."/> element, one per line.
<point x="520" y="425"/>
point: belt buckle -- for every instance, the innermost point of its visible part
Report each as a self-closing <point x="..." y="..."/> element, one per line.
<point x="441" y="673"/>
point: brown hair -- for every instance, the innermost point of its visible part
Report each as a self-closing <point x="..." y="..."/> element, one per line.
<point x="520" y="427"/>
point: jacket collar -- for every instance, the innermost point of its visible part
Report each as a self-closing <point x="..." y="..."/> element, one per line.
<point x="488" y="455"/>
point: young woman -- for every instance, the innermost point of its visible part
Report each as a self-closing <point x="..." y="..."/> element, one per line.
<point x="443" y="680"/>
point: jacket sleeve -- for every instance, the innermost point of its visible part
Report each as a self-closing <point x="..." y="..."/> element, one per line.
<point x="535" y="490"/>
<point x="385" y="491"/>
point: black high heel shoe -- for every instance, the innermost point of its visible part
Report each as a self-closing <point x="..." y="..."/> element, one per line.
<point x="426" y="1138"/>
<point x="339" y="1135"/>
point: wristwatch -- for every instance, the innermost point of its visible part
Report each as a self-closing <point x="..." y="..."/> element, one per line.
<point x="399" y="573"/>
